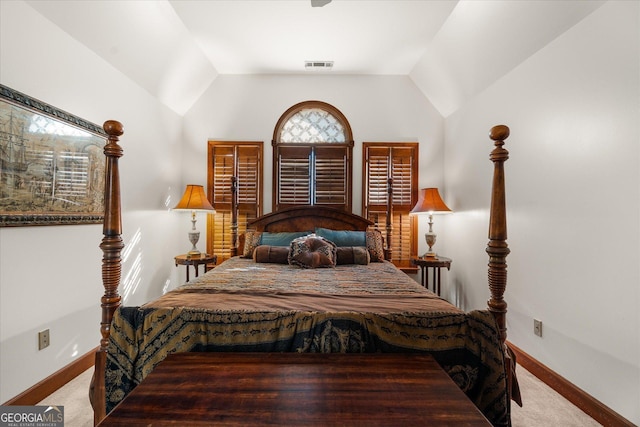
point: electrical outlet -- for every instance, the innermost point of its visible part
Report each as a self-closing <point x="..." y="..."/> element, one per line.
<point x="43" y="339"/>
<point x="537" y="327"/>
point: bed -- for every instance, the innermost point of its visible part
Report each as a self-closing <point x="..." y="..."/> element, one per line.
<point x="328" y="289"/>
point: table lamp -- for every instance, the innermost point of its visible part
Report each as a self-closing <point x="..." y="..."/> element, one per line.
<point x="430" y="202"/>
<point x="194" y="200"/>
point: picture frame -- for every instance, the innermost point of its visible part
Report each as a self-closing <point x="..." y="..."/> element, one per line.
<point x="51" y="164"/>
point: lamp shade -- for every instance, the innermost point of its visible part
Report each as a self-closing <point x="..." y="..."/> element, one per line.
<point x="430" y="202"/>
<point x="194" y="199"/>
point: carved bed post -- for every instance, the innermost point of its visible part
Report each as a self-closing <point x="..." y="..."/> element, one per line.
<point x="111" y="262"/>
<point x="498" y="250"/>
<point x="497" y="247"/>
<point x="388" y="251"/>
<point x="234" y="216"/>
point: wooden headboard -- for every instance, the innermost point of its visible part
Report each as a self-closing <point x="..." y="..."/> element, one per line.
<point x="304" y="218"/>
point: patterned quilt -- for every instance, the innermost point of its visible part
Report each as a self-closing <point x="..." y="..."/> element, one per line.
<point x="243" y="306"/>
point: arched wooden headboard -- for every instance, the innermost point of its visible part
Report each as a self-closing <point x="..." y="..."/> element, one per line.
<point x="307" y="218"/>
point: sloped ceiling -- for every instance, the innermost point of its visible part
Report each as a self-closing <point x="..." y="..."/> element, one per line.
<point x="451" y="49"/>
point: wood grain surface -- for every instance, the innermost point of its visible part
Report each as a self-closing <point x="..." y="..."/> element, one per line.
<point x="290" y="389"/>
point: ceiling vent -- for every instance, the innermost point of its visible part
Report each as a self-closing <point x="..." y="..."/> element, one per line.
<point x="318" y="65"/>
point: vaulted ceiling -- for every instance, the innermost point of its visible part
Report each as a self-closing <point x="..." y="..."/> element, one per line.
<point x="451" y="49"/>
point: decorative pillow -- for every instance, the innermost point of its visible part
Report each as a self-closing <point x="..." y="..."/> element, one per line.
<point x="283" y="238"/>
<point x="251" y="241"/>
<point x="343" y="237"/>
<point x="352" y="255"/>
<point x="375" y="245"/>
<point x="312" y="252"/>
<point x="272" y="254"/>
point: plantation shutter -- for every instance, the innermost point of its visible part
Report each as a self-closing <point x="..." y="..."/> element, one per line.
<point x="312" y="175"/>
<point x="402" y="174"/>
<point x="395" y="164"/>
<point x="377" y="177"/>
<point x="248" y="159"/>
<point x="293" y="176"/>
<point x="331" y="171"/>
<point x="241" y="161"/>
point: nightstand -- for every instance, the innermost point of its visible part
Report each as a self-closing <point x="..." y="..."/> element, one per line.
<point x="436" y="263"/>
<point x="196" y="261"/>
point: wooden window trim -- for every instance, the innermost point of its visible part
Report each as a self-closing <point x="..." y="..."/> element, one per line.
<point x="347" y="146"/>
<point x="381" y="208"/>
<point x="236" y="206"/>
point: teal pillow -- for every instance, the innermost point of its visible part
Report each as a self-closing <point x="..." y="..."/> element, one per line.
<point x="343" y="237"/>
<point x="281" y="239"/>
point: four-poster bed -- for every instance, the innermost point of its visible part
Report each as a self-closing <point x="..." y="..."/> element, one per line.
<point x="362" y="304"/>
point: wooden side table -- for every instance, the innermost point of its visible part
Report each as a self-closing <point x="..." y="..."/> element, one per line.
<point x="436" y="263"/>
<point x="195" y="261"/>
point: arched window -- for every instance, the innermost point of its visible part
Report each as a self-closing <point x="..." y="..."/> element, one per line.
<point x="312" y="148"/>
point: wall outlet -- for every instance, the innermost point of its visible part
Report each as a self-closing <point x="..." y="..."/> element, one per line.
<point x="43" y="339"/>
<point x="537" y="327"/>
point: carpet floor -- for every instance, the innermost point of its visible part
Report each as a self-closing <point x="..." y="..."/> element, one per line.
<point x="542" y="406"/>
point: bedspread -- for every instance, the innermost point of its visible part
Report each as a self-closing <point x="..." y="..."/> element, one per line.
<point x="292" y="313"/>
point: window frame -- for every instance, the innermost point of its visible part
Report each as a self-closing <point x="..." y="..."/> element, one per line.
<point x="369" y="209"/>
<point x="232" y="207"/>
<point x="314" y="149"/>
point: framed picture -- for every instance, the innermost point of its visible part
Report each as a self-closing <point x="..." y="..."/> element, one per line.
<point x="51" y="164"/>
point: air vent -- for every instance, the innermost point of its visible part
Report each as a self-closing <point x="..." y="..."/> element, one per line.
<point x="318" y="65"/>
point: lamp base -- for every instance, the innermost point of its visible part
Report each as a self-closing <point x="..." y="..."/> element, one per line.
<point x="194" y="236"/>
<point x="195" y="253"/>
<point x="430" y="237"/>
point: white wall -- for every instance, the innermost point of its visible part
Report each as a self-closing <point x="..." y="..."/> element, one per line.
<point x="379" y="108"/>
<point x="50" y="276"/>
<point x="573" y="197"/>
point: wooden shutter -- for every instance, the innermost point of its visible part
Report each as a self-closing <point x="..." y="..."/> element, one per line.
<point x="331" y="171"/>
<point x="219" y="234"/>
<point x="248" y="179"/>
<point x="377" y="172"/>
<point x="404" y="177"/>
<point x="223" y="169"/>
<point x="397" y="162"/>
<point x="226" y="161"/>
<point x="293" y="177"/>
<point x="313" y="175"/>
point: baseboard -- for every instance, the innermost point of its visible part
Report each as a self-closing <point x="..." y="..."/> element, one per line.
<point x="53" y="382"/>
<point x="588" y="404"/>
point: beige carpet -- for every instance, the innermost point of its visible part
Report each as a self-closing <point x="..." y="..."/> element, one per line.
<point x="542" y="406"/>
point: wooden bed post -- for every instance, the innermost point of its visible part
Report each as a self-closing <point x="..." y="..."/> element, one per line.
<point x="497" y="247"/>
<point x="234" y="216"/>
<point x="498" y="250"/>
<point x="388" y="252"/>
<point x="111" y="262"/>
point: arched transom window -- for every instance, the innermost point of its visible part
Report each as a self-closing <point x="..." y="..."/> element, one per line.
<point x="312" y="148"/>
<point x="312" y="125"/>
